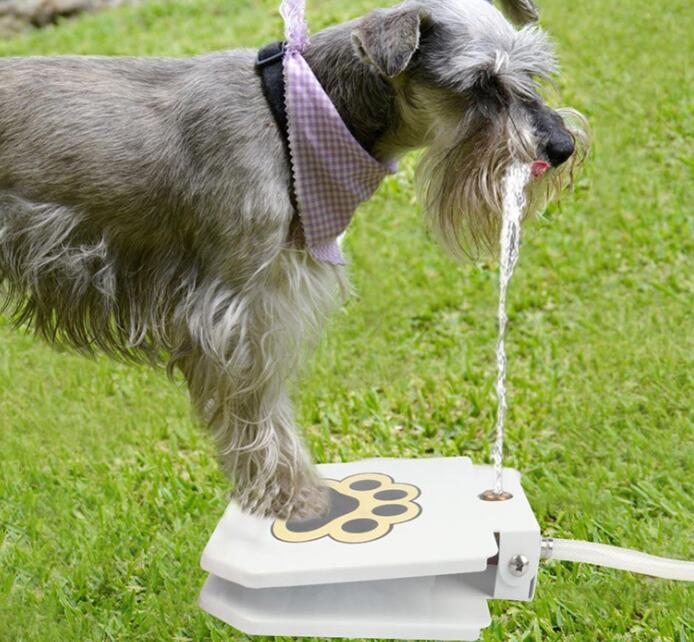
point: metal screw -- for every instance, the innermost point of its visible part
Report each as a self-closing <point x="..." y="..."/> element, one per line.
<point x="518" y="565"/>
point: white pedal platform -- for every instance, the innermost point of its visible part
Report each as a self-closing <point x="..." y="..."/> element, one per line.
<point x="408" y="551"/>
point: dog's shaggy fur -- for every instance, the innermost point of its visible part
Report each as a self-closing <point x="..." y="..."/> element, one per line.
<point x="145" y="209"/>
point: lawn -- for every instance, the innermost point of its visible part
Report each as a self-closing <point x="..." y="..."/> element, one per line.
<point x="109" y="491"/>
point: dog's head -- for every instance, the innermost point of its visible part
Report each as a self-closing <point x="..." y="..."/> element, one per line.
<point x="467" y="85"/>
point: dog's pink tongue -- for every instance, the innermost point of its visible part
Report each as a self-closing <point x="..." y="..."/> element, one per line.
<point x="539" y="167"/>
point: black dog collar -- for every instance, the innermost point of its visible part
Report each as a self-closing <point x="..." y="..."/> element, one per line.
<point x="270" y="67"/>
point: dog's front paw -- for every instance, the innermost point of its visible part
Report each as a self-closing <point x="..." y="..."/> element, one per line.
<point x="362" y="508"/>
<point x="296" y="494"/>
<point x="311" y="502"/>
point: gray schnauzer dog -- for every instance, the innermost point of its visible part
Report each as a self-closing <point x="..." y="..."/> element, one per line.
<point x="145" y="205"/>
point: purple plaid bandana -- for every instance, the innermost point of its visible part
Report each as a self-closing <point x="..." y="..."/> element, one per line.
<point x="332" y="172"/>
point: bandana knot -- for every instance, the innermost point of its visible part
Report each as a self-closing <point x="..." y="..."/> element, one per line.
<point x="332" y="172"/>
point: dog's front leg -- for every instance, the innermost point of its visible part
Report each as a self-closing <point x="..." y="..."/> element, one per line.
<point x="259" y="446"/>
<point x="240" y="350"/>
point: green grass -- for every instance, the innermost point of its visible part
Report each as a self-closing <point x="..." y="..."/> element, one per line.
<point x="108" y="491"/>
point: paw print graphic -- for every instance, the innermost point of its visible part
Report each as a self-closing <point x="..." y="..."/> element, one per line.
<point x="363" y="508"/>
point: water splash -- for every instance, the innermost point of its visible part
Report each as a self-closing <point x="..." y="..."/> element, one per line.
<point x="514" y="201"/>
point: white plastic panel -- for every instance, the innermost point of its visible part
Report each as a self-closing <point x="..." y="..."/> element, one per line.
<point x="449" y="534"/>
<point x="519" y="533"/>
<point x="442" y="608"/>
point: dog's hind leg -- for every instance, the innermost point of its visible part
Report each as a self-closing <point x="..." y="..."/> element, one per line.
<point x="241" y="348"/>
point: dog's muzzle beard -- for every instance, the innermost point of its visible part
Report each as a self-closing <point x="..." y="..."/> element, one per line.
<point x="459" y="177"/>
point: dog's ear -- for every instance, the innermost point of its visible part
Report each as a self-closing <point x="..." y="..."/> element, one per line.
<point x="388" y="38"/>
<point x="521" y="12"/>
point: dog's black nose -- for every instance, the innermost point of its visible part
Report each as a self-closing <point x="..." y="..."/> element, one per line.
<point x="560" y="147"/>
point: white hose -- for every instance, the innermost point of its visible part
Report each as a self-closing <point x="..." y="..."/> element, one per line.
<point x="623" y="559"/>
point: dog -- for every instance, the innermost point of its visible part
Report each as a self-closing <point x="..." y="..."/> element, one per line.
<point x="146" y="209"/>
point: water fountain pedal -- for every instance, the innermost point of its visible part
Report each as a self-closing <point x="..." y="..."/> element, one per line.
<point x="409" y="551"/>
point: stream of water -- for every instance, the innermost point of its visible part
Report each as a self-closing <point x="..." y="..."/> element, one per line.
<point x="514" y="202"/>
